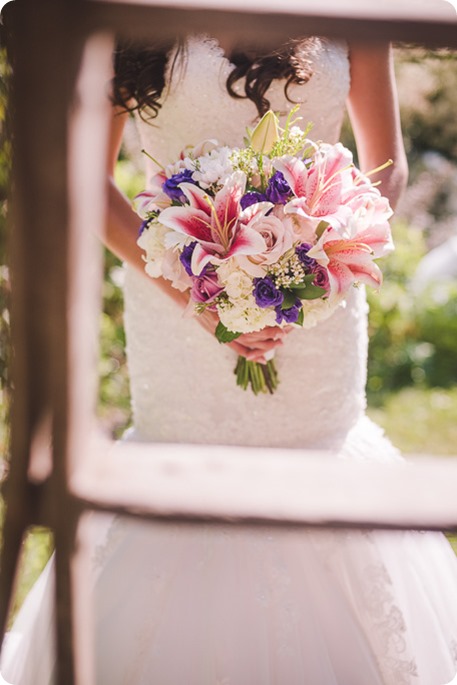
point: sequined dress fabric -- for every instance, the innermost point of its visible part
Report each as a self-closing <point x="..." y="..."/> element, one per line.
<point x="177" y="605"/>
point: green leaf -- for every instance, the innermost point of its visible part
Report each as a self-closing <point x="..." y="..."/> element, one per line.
<point x="312" y="292"/>
<point x="224" y="335"/>
<point x="301" y="317"/>
<point x="289" y="298"/>
<point x="301" y="292"/>
<point x="309" y="278"/>
<point x="304" y="283"/>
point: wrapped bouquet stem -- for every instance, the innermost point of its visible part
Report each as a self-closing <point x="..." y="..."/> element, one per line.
<point x="260" y="377"/>
<point x="273" y="233"/>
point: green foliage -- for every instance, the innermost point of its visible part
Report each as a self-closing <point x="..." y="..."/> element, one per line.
<point x="436" y="319"/>
<point x="224" y="335"/>
<point x="428" y="99"/>
<point x="36" y="551"/>
<point x="413" y="338"/>
<point x="128" y="178"/>
<point x="420" y="420"/>
<point x="114" y="393"/>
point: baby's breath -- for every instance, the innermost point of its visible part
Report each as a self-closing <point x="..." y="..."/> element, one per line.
<point x="290" y="144"/>
<point x="244" y="160"/>
<point x="288" y="271"/>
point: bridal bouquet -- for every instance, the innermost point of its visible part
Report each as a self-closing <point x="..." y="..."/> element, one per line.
<point x="272" y="233"/>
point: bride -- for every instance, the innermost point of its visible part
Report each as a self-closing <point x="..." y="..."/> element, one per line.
<point x="217" y="605"/>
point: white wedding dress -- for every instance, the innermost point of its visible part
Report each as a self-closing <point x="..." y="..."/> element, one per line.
<point x="180" y="605"/>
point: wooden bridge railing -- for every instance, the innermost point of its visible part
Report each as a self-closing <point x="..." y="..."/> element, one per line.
<point x="59" y="468"/>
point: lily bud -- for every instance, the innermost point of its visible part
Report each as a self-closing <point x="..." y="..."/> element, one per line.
<point x="265" y="134"/>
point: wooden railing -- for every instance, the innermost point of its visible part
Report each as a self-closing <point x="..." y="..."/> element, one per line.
<point x="59" y="468"/>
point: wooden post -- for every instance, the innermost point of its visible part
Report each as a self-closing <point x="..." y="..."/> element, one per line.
<point x="47" y="48"/>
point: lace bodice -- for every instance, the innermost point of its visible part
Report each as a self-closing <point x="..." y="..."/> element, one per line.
<point x="182" y="381"/>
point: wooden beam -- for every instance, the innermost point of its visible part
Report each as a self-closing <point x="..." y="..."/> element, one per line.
<point x="430" y="22"/>
<point x="196" y="483"/>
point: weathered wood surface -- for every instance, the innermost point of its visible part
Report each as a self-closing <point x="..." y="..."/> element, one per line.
<point x="38" y="278"/>
<point x="57" y="201"/>
<point x="432" y="22"/>
<point x="204" y="483"/>
<point x="422" y="10"/>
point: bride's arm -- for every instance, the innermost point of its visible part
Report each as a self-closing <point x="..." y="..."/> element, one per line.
<point x="375" y="119"/>
<point x="121" y="233"/>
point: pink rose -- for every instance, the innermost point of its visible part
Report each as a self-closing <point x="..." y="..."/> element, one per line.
<point x="205" y="288"/>
<point x="278" y="239"/>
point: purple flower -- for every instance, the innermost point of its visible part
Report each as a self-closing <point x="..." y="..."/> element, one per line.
<point x="266" y="293"/>
<point x="170" y="186"/>
<point x="205" y="288"/>
<point x="308" y="262"/>
<point x="186" y="258"/>
<point x="289" y="315"/>
<point x="321" y="278"/>
<point x="278" y="190"/>
<point x="251" y="199"/>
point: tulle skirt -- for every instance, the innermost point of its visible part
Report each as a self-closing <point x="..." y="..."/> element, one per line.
<point x="220" y="605"/>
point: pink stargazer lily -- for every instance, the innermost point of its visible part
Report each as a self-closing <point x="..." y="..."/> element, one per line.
<point x="153" y="199"/>
<point x="218" y="224"/>
<point x="320" y="189"/>
<point x="349" y="260"/>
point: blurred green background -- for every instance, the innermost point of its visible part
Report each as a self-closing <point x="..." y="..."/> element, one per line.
<point x="412" y="369"/>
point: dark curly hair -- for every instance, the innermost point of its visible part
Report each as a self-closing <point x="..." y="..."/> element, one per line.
<point x="139" y="72"/>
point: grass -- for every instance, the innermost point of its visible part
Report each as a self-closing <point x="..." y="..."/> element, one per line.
<point x="419" y="420"/>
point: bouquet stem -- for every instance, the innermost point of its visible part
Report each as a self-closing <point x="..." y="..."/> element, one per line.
<point x="261" y="377"/>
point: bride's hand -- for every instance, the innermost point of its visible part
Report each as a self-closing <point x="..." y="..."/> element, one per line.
<point x="257" y="346"/>
<point x="254" y="346"/>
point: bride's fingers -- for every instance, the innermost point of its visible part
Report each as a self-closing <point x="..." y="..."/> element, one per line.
<point x="256" y="356"/>
<point x="267" y="334"/>
<point x="261" y="347"/>
<point x="240" y="349"/>
<point x="252" y="339"/>
<point x="266" y="345"/>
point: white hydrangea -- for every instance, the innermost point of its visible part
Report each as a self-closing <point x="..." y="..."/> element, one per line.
<point x="316" y="311"/>
<point x="237" y="283"/>
<point x="215" y="167"/>
<point x="244" y="316"/>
